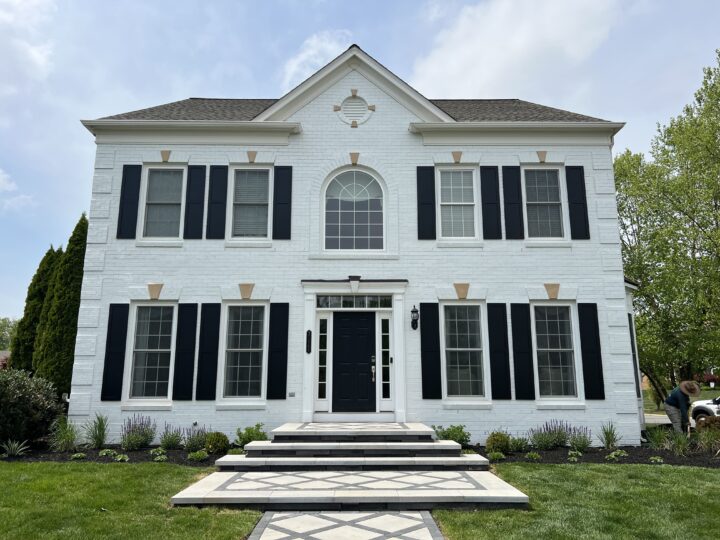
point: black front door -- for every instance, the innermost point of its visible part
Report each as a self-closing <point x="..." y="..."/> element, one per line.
<point x="353" y="352"/>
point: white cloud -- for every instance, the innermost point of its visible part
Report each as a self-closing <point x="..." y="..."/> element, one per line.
<point x="314" y="53"/>
<point x="500" y="47"/>
<point x="9" y="198"/>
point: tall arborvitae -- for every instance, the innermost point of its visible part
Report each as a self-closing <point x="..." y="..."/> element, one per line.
<point x="24" y="341"/>
<point x="55" y="344"/>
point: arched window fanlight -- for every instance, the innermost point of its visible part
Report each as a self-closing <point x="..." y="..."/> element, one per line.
<point x="354" y="212"/>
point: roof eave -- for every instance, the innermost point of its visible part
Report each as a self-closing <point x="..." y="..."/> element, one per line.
<point x="430" y="127"/>
<point x="95" y="126"/>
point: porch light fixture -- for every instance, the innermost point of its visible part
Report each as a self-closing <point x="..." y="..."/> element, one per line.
<point x="414" y="317"/>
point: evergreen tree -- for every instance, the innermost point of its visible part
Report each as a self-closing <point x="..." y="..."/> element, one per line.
<point x="55" y="344"/>
<point x="23" y="342"/>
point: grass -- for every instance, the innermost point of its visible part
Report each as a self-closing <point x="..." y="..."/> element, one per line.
<point x="598" y="502"/>
<point x="649" y="404"/>
<point x="108" y="501"/>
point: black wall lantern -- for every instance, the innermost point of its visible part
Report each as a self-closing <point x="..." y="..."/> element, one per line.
<point x="414" y="317"/>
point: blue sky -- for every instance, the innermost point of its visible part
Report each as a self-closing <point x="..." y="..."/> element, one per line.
<point x="637" y="61"/>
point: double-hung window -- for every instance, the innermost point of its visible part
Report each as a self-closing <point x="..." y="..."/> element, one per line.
<point x="251" y="203"/>
<point x="543" y="203"/>
<point x="463" y="351"/>
<point x="244" y="351"/>
<point x="163" y="203"/>
<point x="457" y="204"/>
<point x="152" y="352"/>
<point x="555" y="352"/>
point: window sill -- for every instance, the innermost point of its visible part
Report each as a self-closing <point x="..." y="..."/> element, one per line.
<point x="248" y="243"/>
<point x="460" y="405"/>
<point x="241" y="406"/>
<point x="547" y="244"/>
<point x="146" y="406"/>
<point x="560" y="406"/>
<point x="159" y="243"/>
<point x="473" y="244"/>
<point x="370" y="255"/>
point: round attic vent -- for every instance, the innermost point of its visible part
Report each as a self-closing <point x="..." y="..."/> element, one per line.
<point x="354" y="109"/>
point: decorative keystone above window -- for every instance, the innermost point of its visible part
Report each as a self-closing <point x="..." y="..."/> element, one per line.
<point x="354" y="110"/>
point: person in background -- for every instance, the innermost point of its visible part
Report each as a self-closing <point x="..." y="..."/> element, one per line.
<point x="677" y="404"/>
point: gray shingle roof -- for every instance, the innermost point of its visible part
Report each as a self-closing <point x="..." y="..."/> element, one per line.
<point x="462" y="110"/>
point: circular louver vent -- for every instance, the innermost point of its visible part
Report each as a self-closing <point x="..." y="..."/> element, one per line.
<point x="354" y="109"/>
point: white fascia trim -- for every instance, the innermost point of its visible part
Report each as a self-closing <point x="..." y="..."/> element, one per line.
<point x="476" y="127"/>
<point x="254" y="126"/>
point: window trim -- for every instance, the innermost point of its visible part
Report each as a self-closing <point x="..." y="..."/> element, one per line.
<point x="477" y="211"/>
<point x="142" y="203"/>
<point x="323" y="194"/>
<point x="130" y="355"/>
<point x="577" y="357"/>
<point x="220" y="397"/>
<point x="484" y="336"/>
<point x="248" y="240"/>
<point x="564" y="214"/>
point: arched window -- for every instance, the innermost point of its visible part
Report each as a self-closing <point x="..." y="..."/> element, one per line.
<point x="354" y="212"/>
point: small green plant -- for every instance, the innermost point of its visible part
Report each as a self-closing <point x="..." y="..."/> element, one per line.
<point x="574" y="456"/>
<point x="137" y="432"/>
<point x="656" y="460"/>
<point x="195" y="438"/>
<point x="217" y="443"/>
<point x="63" y="435"/>
<point x="236" y="452"/>
<point x="609" y="436"/>
<point x="455" y="433"/>
<point x="160" y="459"/>
<point x="533" y="456"/>
<point x="95" y="431"/>
<point x="78" y="456"/>
<point x="498" y="441"/>
<point x="616" y="456"/>
<point x="657" y="438"/>
<point x="108" y="452"/>
<point x="250" y="434"/>
<point x="519" y="445"/>
<point x="122" y="458"/>
<point x="200" y="455"/>
<point x="580" y="439"/>
<point x="171" y="438"/>
<point x="14" y="448"/>
<point x="468" y="451"/>
<point x="542" y="440"/>
<point x="706" y="440"/>
<point x="155" y="452"/>
<point x="494" y="457"/>
<point x="679" y="444"/>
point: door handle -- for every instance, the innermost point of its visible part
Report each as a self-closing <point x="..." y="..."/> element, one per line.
<point x="372" y="370"/>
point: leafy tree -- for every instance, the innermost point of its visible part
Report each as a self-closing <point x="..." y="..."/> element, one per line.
<point x="7" y="331"/>
<point x="670" y="226"/>
<point x="55" y="346"/>
<point x="23" y="341"/>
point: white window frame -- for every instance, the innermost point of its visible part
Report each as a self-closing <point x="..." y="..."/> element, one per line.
<point x="130" y="354"/>
<point x="323" y="194"/>
<point x="476" y="204"/>
<point x="577" y="357"/>
<point x="487" y="390"/>
<point x="222" y="363"/>
<point x="248" y="240"/>
<point x="140" y="231"/>
<point x="564" y="214"/>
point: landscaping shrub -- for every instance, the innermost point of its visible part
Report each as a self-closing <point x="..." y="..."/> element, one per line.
<point x="29" y="406"/>
<point x="494" y="457"/>
<point x="236" y="452"/>
<point x="657" y="438"/>
<point x="250" y="434"/>
<point x="171" y="438"/>
<point x="108" y="452"/>
<point x="518" y="445"/>
<point x="609" y="437"/>
<point x="63" y="435"/>
<point x="455" y="433"/>
<point x="679" y="444"/>
<point x="78" y="456"/>
<point x="155" y="452"/>
<point x="580" y="439"/>
<point x="498" y="441"/>
<point x="656" y="460"/>
<point x="552" y="434"/>
<point x="574" y="456"/>
<point x="96" y="431"/>
<point x="14" y="448"/>
<point x="200" y="455"/>
<point x="706" y="440"/>
<point x="533" y="456"/>
<point x="160" y="459"/>
<point x="122" y="458"/>
<point x="195" y="438"/>
<point x="217" y="443"/>
<point x="137" y="432"/>
<point x="616" y="456"/>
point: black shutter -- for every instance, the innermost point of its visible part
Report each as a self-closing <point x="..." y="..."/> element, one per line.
<point x="591" y="353"/>
<point x="115" y="353"/>
<point x="194" y="202"/>
<point x="577" y="201"/>
<point x="426" y="203"/>
<point x="282" y="202"/>
<point x="217" y="201"/>
<point x="278" y="351"/>
<point x="129" y="197"/>
<point x="512" y="195"/>
<point x="490" y="193"/>
<point x="430" y="351"/>
<point x="208" y="352"/>
<point x="633" y="346"/>
<point x="522" y="351"/>
<point x="499" y="352"/>
<point x="185" y="351"/>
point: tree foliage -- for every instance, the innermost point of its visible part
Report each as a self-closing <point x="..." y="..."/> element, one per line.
<point x="8" y="327"/>
<point x="23" y="341"/>
<point x="670" y="227"/>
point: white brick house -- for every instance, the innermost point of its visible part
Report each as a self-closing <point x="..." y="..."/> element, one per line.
<point x="296" y="239"/>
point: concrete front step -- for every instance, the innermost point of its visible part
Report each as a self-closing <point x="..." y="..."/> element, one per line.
<point x="352" y="449"/>
<point x="245" y="463"/>
<point x="337" y="490"/>
<point x="352" y="432"/>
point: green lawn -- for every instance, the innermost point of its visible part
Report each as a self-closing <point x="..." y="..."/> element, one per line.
<point x="649" y="405"/>
<point x="598" y="502"/>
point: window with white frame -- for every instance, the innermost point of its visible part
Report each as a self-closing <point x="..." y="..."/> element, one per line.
<point x="555" y="353"/>
<point x="544" y="206"/>
<point x="163" y="203"/>
<point x="251" y="203"/>
<point x="463" y="351"/>
<point x="152" y="351"/>
<point x="354" y="212"/>
<point x="457" y="204"/>
<point x="244" y="351"/>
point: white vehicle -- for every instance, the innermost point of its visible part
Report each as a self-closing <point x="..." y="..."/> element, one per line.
<point x="704" y="408"/>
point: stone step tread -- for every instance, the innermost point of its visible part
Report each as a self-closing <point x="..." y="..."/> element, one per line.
<point x="353" y="429"/>
<point x="474" y="460"/>
<point x="352" y="445"/>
